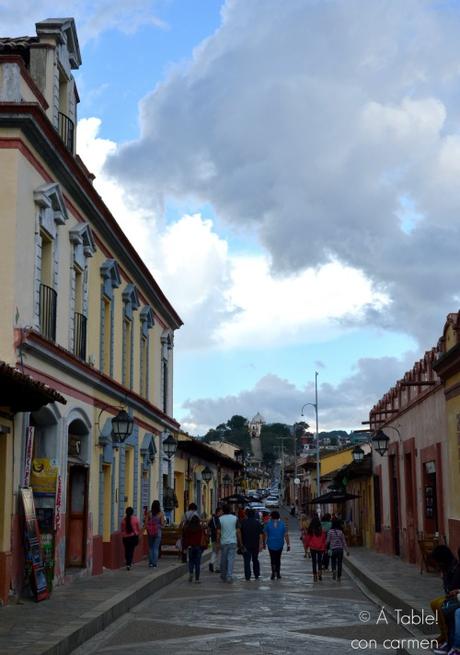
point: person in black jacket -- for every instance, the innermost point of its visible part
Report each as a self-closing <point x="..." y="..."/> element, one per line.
<point x="252" y="538"/>
<point x="214" y="525"/>
<point x="450" y="571"/>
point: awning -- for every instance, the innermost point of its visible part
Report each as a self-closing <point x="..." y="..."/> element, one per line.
<point x="22" y="393"/>
<point x="332" y="497"/>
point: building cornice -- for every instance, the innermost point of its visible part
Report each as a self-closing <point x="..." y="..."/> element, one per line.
<point x="34" y="124"/>
<point x="448" y="364"/>
<point x="64" y="361"/>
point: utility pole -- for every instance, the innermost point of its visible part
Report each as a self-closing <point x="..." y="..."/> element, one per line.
<point x="318" y="460"/>
<point x="282" y="439"/>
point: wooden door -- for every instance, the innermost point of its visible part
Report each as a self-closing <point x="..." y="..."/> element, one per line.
<point x="77" y="511"/>
<point x="410" y="508"/>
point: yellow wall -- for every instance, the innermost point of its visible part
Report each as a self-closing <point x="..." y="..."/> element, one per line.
<point x="333" y="461"/>
<point x="8" y="199"/>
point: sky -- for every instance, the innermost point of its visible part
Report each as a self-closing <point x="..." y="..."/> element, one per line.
<point x="289" y="172"/>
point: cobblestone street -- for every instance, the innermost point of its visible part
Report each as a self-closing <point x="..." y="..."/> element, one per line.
<point x="291" y="615"/>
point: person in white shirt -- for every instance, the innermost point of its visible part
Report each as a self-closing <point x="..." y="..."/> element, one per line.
<point x="228" y="537"/>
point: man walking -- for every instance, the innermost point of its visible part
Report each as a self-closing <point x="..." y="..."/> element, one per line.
<point x="228" y="536"/>
<point x="214" y="525"/>
<point x="252" y="539"/>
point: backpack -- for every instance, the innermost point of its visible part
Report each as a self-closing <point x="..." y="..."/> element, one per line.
<point x="152" y="525"/>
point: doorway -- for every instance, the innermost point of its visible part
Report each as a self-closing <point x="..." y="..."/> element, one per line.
<point x="394" y="504"/>
<point x="410" y="508"/>
<point x="77" y="515"/>
<point x="431" y="522"/>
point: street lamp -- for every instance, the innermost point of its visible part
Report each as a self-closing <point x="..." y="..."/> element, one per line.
<point x="170" y="446"/>
<point x="206" y="474"/>
<point x="318" y="464"/>
<point x="358" y="454"/>
<point x="122" y="427"/>
<point x="380" y="442"/>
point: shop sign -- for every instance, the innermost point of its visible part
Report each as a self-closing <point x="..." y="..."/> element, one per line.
<point x="32" y="544"/>
<point x="43" y="476"/>
<point x="58" y="505"/>
<point x="30" y="432"/>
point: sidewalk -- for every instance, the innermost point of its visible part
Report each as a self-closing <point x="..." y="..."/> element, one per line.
<point x="77" y="611"/>
<point x="397" y="584"/>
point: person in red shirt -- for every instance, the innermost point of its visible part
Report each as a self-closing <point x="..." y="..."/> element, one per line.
<point x="130" y="531"/>
<point x="192" y="541"/>
<point x="315" y="539"/>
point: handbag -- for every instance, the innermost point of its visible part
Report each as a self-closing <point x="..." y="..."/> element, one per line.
<point x="205" y="538"/>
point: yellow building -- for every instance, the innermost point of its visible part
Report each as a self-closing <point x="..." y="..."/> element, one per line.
<point x="193" y="457"/>
<point x="80" y="312"/>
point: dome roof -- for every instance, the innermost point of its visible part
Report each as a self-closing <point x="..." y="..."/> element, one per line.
<point x="258" y="418"/>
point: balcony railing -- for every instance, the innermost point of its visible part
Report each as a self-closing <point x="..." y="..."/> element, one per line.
<point x="48" y="304"/>
<point x="79" y="336"/>
<point x="66" y="130"/>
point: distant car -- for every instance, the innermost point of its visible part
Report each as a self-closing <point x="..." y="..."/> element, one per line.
<point x="258" y="508"/>
<point x="272" y="501"/>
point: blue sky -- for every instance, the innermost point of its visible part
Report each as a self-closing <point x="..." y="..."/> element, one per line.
<point x="119" y="69"/>
<point x="298" y="203"/>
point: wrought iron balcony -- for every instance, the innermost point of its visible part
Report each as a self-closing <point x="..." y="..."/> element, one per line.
<point x="79" y="336"/>
<point x="66" y="129"/>
<point x="48" y="305"/>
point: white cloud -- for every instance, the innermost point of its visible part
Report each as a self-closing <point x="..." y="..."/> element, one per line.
<point x="309" y="121"/>
<point x="341" y="406"/>
<point x="227" y="300"/>
<point x="92" y="16"/>
<point x="297" y="307"/>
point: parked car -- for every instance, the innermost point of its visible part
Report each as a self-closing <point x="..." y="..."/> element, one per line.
<point x="272" y="501"/>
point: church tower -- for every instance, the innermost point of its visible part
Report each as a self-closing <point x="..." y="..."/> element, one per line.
<point x="255" y="429"/>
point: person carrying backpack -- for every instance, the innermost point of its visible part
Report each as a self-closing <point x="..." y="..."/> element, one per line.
<point x="214" y="526"/>
<point x="154" y="522"/>
<point x="193" y="537"/>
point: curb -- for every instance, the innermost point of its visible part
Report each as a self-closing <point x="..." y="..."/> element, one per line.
<point x="384" y="593"/>
<point x="393" y="601"/>
<point x="66" y="639"/>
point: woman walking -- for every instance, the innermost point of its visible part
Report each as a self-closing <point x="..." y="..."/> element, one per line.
<point x="336" y="543"/>
<point x="275" y="535"/>
<point x="130" y="531"/>
<point x="154" y="522"/>
<point x="449" y="567"/>
<point x="193" y="538"/>
<point x="316" y="541"/>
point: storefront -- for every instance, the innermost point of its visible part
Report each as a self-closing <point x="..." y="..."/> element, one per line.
<point x="19" y="393"/>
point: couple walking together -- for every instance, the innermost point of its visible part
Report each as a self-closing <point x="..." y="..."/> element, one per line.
<point x="131" y="533"/>
<point x="250" y="537"/>
<point x="325" y="540"/>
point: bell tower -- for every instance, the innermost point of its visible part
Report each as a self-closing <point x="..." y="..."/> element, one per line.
<point x="255" y="429"/>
